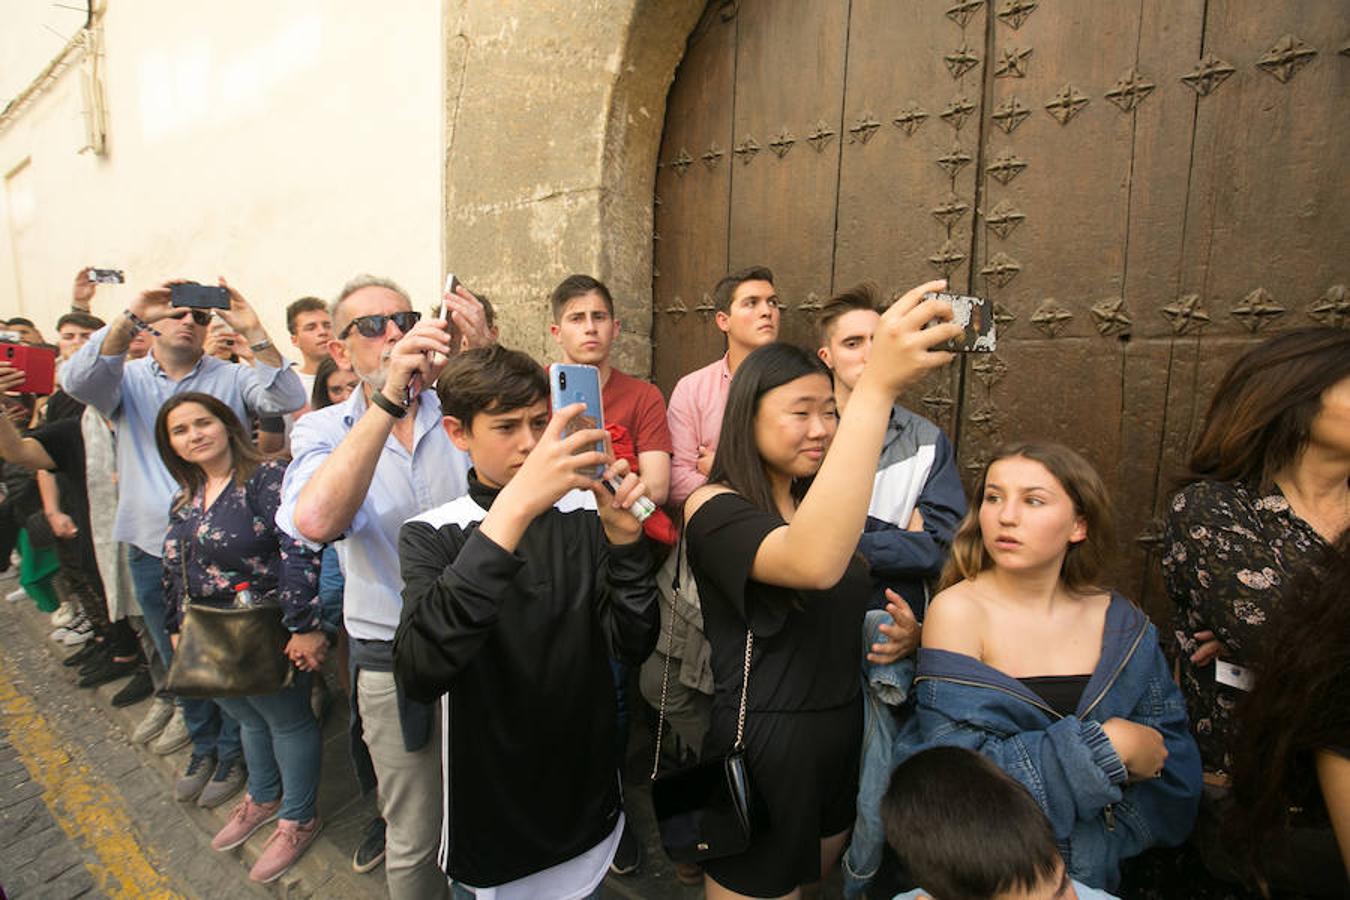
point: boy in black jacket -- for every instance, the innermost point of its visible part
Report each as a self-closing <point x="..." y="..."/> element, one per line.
<point x="515" y="596"/>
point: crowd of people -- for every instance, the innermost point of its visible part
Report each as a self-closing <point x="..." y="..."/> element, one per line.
<point x="939" y="692"/>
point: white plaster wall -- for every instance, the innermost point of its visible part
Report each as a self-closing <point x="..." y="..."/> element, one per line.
<point x="286" y="146"/>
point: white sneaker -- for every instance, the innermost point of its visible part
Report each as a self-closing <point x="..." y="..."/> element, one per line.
<point x="15" y="596"/>
<point x="159" y="714"/>
<point x="65" y="615"/>
<point x="175" y="735"/>
<point x="79" y="631"/>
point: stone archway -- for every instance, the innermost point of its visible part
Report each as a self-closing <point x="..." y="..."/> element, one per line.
<point x="553" y="121"/>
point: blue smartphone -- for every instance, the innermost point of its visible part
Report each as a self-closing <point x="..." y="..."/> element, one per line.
<point x="570" y="384"/>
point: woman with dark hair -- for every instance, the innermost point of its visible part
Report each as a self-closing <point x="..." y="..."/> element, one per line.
<point x="332" y="384"/>
<point x="772" y="541"/>
<point x="222" y="532"/>
<point x="1268" y="492"/>
<point x="1291" y="762"/>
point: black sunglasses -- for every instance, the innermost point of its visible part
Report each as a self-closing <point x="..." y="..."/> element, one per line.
<point x="374" y="326"/>
<point x="199" y="316"/>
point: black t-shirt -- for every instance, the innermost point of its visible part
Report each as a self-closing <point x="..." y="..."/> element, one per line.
<point x="61" y="405"/>
<point x="64" y="442"/>
<point x="808" y="644"/>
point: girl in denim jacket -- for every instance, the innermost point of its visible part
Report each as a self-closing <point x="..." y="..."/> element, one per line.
<point x="1059" y="682"/>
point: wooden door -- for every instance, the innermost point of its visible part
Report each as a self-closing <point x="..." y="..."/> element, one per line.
<point x="1145" y="190"/>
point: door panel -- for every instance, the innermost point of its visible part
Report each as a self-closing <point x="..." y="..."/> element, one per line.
<point x="789" y="85"/>
<point x="1144" y="189"/>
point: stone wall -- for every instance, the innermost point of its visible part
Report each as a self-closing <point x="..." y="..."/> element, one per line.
<point x="554" y="112"/>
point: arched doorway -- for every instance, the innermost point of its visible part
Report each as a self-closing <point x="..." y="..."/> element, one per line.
<point x="1144" y="190"/>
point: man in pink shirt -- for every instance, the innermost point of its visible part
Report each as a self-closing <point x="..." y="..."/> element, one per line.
<point x="747" y="312"/>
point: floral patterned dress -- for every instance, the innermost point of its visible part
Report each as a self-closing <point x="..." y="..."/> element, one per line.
<point x="236" y="539"/>
<point x="1229" y="552"/>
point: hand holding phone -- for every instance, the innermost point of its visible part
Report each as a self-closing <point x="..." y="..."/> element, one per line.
<point x="621" y="501"/>
<point x="557" y="463"/>
<point x="466" y="318"/>
<point x="198" y="296"/>
<point x="907" y="344"/>
<point x="570" y="384"/>
<point x="37" y="363"/>
<point x="975" y="315"/>
<point x="105" y="276"/>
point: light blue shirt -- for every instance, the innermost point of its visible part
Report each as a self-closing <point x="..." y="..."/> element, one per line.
<point x="129" y="394"/>
<point x="404" y="484"/>
<point x="1084" y="893"/>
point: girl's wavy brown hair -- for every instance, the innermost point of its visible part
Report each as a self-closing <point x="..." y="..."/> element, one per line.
<point x="1084" y="562"/>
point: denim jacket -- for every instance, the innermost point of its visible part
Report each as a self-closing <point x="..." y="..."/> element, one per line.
<point x="887" y="688"/>
<point x="1066" y="762"/>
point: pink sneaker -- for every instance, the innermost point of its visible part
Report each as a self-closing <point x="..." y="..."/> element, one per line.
<point x="284" y="848"/>
<point x="246" y="818"/>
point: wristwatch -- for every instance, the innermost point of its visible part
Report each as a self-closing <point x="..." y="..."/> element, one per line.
<point x="389" y="406"/>
<point x="260" y="346"/>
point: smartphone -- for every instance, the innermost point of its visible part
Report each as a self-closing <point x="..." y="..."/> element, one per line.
<point x="976" y="316"/>
<point x="570" y="384"/>
<point x="106" y="276"/>
<point x="37" y="363"/>
<point x="199" y="296"/>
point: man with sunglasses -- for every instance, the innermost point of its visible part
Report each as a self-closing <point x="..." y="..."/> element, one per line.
<point x="360" y="470"/>
<point x="129" y="394"/>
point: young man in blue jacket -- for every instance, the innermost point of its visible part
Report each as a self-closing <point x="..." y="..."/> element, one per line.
<point x="515" y="598"/>
<point x="917" y="497"/>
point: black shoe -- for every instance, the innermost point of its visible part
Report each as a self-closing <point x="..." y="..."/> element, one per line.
<point x="104" y="671"/>
<point x="628" y="856"/>
<point x="90" y="651"/>
<point x="135" y="690"/>
<point x="370" y="852"/>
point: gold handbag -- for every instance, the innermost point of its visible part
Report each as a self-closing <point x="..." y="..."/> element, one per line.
<point x="229" y="651"/>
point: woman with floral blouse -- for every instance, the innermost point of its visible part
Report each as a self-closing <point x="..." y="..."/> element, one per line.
<point x="222" y="531"/>
<point x="1268" y="494"/>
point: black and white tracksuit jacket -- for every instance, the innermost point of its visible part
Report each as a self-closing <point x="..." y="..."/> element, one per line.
<point x="520" y="643"/>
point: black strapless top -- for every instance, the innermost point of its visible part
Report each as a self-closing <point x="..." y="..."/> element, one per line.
<point x="1060" y="692"/>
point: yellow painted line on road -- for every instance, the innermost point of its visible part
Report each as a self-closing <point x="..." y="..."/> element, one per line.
<point x="85" y="806"/>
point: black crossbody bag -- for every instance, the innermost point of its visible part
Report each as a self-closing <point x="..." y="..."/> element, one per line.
<point x="704" y="811"/>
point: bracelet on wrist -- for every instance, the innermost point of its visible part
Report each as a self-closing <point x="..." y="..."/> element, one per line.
<point x="262" y="345"/>
<point x="389" y="406"/>
<point x="138" y="323"/>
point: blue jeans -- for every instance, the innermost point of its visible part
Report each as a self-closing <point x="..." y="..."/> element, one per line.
<point x="282" y="747"/>
<point x="213" y="732"/>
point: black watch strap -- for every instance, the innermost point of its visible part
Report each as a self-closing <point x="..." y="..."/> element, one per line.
<point x="379" y="399"/>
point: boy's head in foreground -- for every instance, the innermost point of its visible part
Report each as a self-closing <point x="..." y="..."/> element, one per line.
<point x="966" y="831"/>
<point x="495" y="403"/>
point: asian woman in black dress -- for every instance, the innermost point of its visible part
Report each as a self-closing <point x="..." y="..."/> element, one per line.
<point x="772" y="542"/>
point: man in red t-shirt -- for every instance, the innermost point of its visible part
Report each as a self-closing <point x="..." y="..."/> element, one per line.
<point x="585" y="328"/>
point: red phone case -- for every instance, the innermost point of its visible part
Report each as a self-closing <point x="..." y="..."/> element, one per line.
<point x="38" y="363"/>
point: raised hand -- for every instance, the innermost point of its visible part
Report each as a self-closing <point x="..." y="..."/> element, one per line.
<point x="904" y="342"/>
<point x="467" y="320"/>
<point x="82" y="292"/>
<point x="414" y="356"/>
<point x="621" y="527"/>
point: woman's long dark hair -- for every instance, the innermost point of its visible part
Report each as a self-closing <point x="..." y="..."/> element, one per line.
<point x="1259" y="419"/>
<point x="189" y="476"/>
<point x="1300" y="705"/>
<point x="318" y="398"/>
<point x="737" y="463"/>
